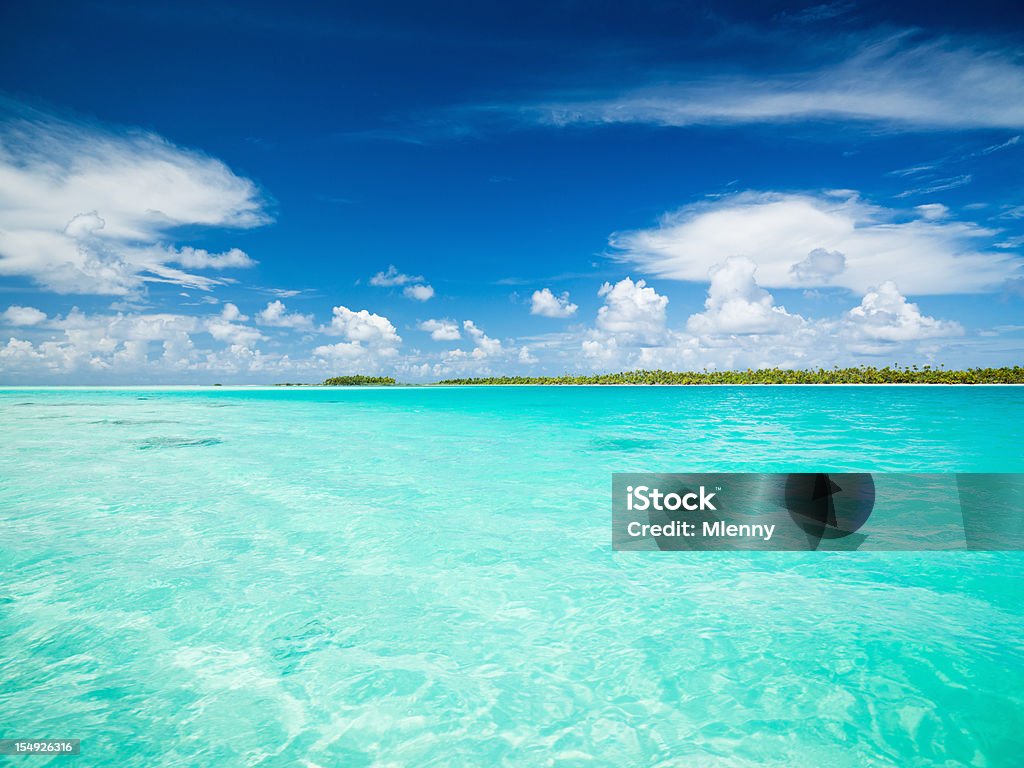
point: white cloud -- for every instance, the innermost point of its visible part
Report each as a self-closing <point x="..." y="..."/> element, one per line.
<point x="419" y="292"/>
<point x="415" y="285"/>
<point x="632" y="310"/>
<point x="546" y="304"/>
<point x="819" y="267"/>
<point x="114" y="343"/>
<point x="228" y="328"/>
<point x="371" y="341"/>
<point x="630" y="323"/>
<point x="935" y="84"/>
<point x="362" y="326"/>
<point x="938" y="185"/>
<point x="89" y="210"/>
<point x="158" y="347"/>
<point x="737" y="305"/>
<point x="780" y="232"/>
<point x="343" y="350"/>
<point x="393" y="277"/>
<point x="197" y="258"/>
<point x="485" y="345"/>
<point x="84" y="224"/>
<point x="601" y="351"/>
<point x="275" y="314"/>
<point x="742" y="327"/>
<point x="932" y="211"/>
<point x="15" y="315"/>
<point x="441" y="330"/>
<point x="525" y="357"/>
<point x="1014" y="241"/>
<point x="18" y="353"/>
<point x="231" y="312"/>
<point x="885" y="314"/>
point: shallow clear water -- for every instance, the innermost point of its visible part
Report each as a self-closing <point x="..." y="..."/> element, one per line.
<point x="425" y="577"/>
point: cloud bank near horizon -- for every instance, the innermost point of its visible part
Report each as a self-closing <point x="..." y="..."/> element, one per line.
<point x="741" y="325"/>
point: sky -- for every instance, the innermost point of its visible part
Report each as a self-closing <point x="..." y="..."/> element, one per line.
<point x="265" y="193"/>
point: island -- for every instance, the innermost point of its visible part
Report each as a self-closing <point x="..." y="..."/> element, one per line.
<point x="359" y="381"/>
<point x="860" y="375"/>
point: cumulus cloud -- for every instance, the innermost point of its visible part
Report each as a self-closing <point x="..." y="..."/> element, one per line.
<point x="276" y="315"/>
<point x="780" y="232"/>
<point x="546" y="304"/>
<point x="197" y="258"/>
<point x="737" y="305"/>
<point x="932" y="211"/>
<point x="819" y="267"/>
<point x="485" y="345"/>
<point x="228" y="327"/>
<point x="231" y="312"/>
<point x="15" y="315"/>
<point x="158" y="347"/>
<point x="165" y="347"/>
<point x="742" y="326"/>
<point x="416" y="287"/>
<point x="362" y="326"/>
<point x="631" y="320"/>
<point x="895" y="80"/>
<point x="97" y="343"/>
<point x="632" y="310"/>
<point x="885" y="314"/>
<point x="419" y="292"/>
<point x="526" y="357"/>
<point x="602" y="351"/>
<point x="84" y="209"/>
<point x="371" y="340"/>
<point x="441" y="330"/>
<point x="351" y="351"/>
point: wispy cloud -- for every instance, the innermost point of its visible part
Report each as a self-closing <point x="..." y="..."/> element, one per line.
<point x="897" y="79"/>
<point x="925" y="169"/>
<point x="392" y="277"/>
<point x="416" y="287"/>
<point x="938" y="185"/>
<point x="817" y="13"/>
<point x="93" y="210"/>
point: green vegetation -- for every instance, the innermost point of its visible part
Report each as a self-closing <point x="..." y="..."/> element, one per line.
<point x="358" y="381"/>
<point x="862" y="375"/>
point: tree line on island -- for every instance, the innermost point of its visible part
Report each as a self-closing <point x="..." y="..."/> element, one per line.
<point x="359" y="381"/>
<point x="860" y="375"/>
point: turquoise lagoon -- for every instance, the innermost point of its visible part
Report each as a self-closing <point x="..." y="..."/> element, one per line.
<point x="424" y="577"/>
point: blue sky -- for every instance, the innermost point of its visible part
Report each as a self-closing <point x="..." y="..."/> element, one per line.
<point x="259" y="193"/>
